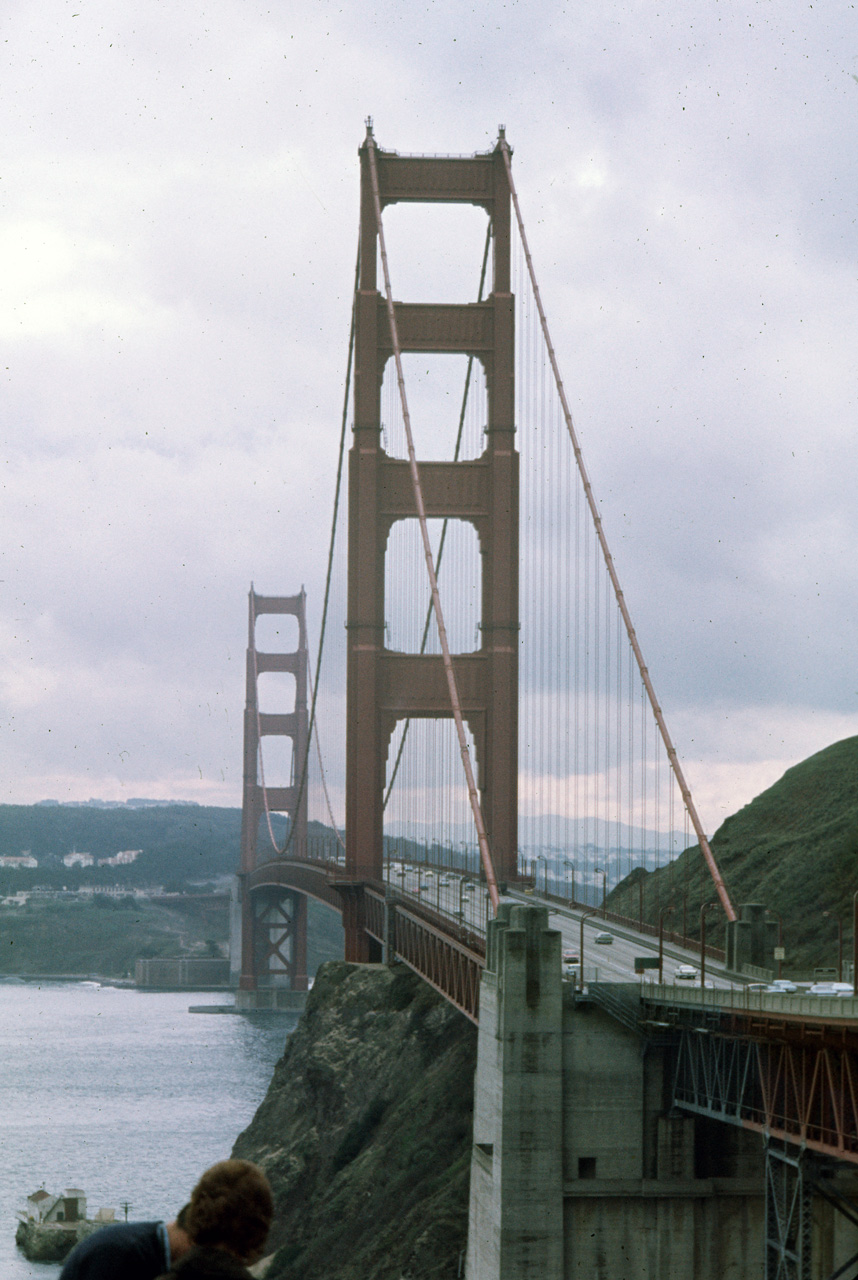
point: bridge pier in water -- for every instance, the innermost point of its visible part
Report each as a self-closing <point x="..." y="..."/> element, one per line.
<point x="581" y="1167"/>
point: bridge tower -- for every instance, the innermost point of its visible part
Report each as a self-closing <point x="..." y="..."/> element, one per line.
<point x="273" y="916"/>
<point x="386" y="686"/>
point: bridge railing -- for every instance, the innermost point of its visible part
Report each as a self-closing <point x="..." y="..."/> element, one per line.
<point x="796" y="1005"/>
<point x="451" y="966"/>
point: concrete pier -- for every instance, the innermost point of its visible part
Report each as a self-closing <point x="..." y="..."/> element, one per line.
<point x="579" y="1167"/>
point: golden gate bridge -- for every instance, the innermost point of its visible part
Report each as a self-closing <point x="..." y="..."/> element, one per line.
<point x="478" y="722"/>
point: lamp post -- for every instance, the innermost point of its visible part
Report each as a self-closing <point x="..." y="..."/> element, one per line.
<point x="668" y="911"/>
<point x="585" y="915"/>
<point x="707" y="906"/>
<point x="780" y="937"/>
<point x="570" y="896"/>
<point x="604" y="876"/>
<point x="640" y="901"/>
<point x="830" y="914"/>
<point x="462" y="883"/>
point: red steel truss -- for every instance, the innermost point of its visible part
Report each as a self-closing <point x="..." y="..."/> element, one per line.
<point x="792" y="1079"/>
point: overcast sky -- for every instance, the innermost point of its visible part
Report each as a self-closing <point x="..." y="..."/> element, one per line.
<point x="178" y="195"/>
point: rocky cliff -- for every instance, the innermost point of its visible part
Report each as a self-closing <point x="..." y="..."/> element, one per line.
<point x="365" y="1132"/>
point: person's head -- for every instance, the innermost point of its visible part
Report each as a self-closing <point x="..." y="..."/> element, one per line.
<point x="231" y="1207"/>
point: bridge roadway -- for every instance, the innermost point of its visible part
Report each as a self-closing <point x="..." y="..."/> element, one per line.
<point x="783" y="1065"/>
<point x="613" y="962"/>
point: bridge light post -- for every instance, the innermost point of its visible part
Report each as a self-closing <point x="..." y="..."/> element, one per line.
<point x="461" y="912"/>
<point x="585" y="915"/>
<point x="570" y="896"/>
<point x="772" y="912"/>
<point x="604" y="876"/>
<point x="668" y="911"/>
<point x="707" y="906"/>
<point x="831" y="915"/>
<point x="640" y="901"/>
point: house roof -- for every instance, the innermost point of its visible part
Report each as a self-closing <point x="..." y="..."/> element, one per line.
<point x="40" y="1195"/>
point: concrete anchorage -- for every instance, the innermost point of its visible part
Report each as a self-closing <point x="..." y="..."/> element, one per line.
<point x="580" y="1168"/>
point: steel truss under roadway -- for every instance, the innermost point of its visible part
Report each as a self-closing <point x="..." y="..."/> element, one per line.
<point x="793" y="1079"/>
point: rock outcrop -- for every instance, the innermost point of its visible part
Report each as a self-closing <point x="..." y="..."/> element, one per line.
<point x="365" y="1132"/>
<point x="50" y="1241"/>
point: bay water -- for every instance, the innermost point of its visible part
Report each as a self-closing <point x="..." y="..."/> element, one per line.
<point x="125" y="1094"/>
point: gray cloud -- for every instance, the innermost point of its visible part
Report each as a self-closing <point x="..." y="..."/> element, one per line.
<point x="179" y="221"/>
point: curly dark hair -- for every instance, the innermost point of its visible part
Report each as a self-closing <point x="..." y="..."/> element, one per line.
<point x="231" y="1207"/>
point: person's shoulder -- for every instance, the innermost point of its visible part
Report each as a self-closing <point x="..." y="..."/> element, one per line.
<point x="121" y="1243"/>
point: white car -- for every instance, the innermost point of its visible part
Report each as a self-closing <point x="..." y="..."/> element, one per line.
<point x="685" y="973"/>
<point x="604" y="938"/>
<point x="782" y="985"/>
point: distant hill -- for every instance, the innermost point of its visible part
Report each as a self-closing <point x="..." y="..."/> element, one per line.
<point x="794" y="848"/>
<point x="181" y="847"/>
<point x="179" y="843"/>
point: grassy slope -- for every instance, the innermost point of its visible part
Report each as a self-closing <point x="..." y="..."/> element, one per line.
<point x="794" y="848"/>
<point x="104" y="938"/>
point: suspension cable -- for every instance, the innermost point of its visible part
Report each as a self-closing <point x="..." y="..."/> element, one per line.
<point x="314" y="684"/>
<point x="443" y="538"/>
<point x="717" y="878"/>
<point x="452" y="685"/>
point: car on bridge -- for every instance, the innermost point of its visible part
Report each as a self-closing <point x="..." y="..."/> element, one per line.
<point x="570" y="957"/>
<point x="604" y="938"/>
<point x="685" y="973"/>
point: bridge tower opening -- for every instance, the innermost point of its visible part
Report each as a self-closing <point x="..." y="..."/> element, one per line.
<point x="384" y="686"/>
<point x="273" y="916"/>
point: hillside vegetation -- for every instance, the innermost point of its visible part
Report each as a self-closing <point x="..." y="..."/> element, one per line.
<point x="365" y="1132"/>
<point x="182" y="848"/>
<point x="179" y="843"/>
<point x="794" y="848"/>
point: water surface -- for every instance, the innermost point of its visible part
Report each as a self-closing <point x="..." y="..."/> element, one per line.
<point x="125" y="1094"/>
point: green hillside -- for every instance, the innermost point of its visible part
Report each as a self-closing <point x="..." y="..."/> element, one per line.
<point x="182" y="848"/>
<point x="794" y="848"/>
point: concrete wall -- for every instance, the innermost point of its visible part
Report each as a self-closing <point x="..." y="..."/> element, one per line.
<point x="579" y="1169"/>
<point x="178" y="972"/>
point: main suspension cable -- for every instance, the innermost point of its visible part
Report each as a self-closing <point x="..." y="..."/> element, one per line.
<point x="485" y="853"/>
<point x="314" y="684"/>
<point x="714" y="870"/>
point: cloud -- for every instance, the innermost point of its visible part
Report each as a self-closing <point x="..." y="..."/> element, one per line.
<point x="179" y="221"/>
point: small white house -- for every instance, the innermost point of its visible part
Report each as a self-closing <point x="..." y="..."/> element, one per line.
<point x="75" y="859"/>
<point x="39" y="1203"/>
<point x="44" y="1207"/>
<point x="121" y="859"/>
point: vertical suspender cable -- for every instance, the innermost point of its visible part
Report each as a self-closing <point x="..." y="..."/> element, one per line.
<point x="314" y="685"/>
<point x="457" y="450"/>
<point x="485" y="853"/>
<point x="720" y="886"/>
